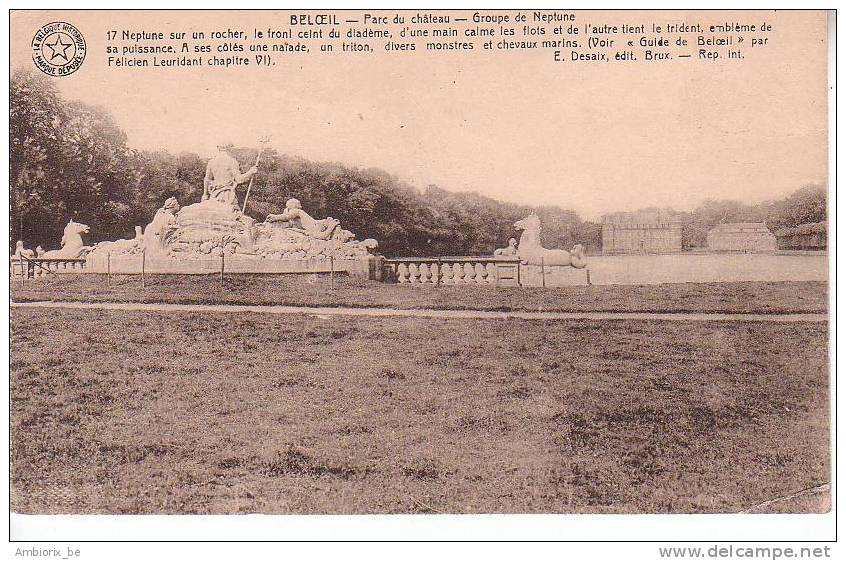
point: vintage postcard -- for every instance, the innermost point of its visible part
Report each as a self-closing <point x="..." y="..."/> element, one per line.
<point x="432" y="262"/>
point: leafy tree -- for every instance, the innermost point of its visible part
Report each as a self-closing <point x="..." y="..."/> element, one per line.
<point x="806" y="206"/>
<point x="709" y="213"/>
<point x="35" y="115"/>
<point x="68" y="160"/>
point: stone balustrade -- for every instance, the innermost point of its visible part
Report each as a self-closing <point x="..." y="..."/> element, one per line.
<point x="30" y="268"/>
<point x="499" y="271"/>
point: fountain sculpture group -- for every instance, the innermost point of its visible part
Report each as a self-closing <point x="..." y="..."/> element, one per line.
<point x="194" y="238"/>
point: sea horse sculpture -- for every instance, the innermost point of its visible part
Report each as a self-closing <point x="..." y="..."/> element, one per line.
<point x="72" y="246"/>
<point x="530" y="251"/>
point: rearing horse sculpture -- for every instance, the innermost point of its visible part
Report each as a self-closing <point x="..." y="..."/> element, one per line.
<point x="530" y="251"/>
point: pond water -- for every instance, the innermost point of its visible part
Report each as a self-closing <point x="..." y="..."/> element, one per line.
<point x="675" y="268"/>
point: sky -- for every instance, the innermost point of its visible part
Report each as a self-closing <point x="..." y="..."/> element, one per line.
<point x="517" y="127"/>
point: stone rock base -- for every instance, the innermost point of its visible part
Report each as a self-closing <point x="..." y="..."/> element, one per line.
<point x="367" y="267"/>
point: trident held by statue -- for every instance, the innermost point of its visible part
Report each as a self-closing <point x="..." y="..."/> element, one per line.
<point x="263" y="141"/>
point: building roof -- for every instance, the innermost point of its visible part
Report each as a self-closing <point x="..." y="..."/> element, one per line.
<point x="738" y="226"/>
<point x="645" y="217"/>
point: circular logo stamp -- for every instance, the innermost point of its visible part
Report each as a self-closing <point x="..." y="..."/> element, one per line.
<point x="58" y="49"/>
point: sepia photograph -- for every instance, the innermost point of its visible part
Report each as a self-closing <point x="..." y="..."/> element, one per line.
<point x="420" y="262"/>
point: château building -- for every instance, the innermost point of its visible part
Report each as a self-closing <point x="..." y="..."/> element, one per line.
<point x="641" y="232"/>
<point x="741" y="236"/>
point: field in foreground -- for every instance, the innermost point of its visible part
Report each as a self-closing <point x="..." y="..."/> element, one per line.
<point x="136" y="412"/>
<point x="738" y="297"/>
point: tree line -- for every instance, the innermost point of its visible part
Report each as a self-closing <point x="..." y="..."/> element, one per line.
<point x="71" y="160"/>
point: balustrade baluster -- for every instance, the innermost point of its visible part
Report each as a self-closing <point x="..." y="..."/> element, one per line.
<point x="491" y="276"/>
<point x="469" y="273"/>
<point x="446" y="278"/>
<point x="458" y="273"/>
<point x="481" y="273"/>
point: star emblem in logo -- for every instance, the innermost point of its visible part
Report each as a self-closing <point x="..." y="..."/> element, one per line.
<point x="59" y="48"/>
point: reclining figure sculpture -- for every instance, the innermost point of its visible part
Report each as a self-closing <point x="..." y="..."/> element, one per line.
<point x="299" y="219"/>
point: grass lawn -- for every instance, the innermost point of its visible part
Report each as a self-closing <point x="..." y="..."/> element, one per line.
<point x="739" y="297"/>
<point x="139" y="412"/>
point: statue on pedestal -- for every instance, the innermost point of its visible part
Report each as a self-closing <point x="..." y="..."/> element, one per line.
<point x="509" y="251"/>
<point x="205" y="225"/>
<point x="223" y="174"/>
<point x="20" y="252"/>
